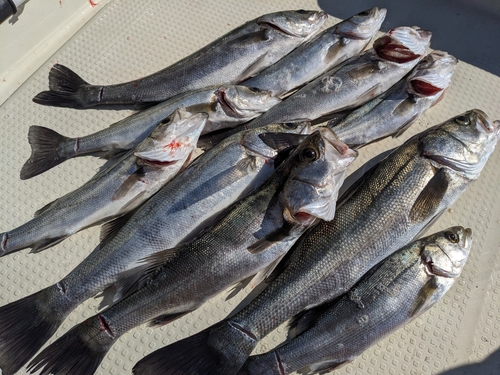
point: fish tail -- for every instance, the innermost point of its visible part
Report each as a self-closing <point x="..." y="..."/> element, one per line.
<point x="67" y="89"/>
<point x="78" y="352"/>
<point x="25" y="326"/>
<point x="45" y="145"/>
<point x="219" y="350"/>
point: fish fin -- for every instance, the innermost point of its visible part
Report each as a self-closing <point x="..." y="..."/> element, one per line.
<point x="426" y="227"/>
<point x="78" y="352"/>
<point x="284" y="261"/>
<point x="135" y="278"/>
<point x="24" y="329"/>
<point x="262" y="275"/>
<point x="269" y="240"/>
<point x="193" y="355"/>
<point x="429" y="198"/>
<point x="166" y="318"/>
<point x="404" y="127"/>
<point x="44" y="151"/>
<point x="129" y="183"/>
<point x="322" y="367"/>
<point x="282" y="141"/>
<point x="333" y="51"/>
<point x="64" y="86"/>
<point x="46" y="243"/>
<point x="421" y="300"/>
<point x="258" y="65"/>
<point x="212" y="139"/>
<point x="368" y="95"/>
<point x="44" y="208"/>
<point x="238" y="287"/>
<point x="364" y="70"/>
<point x="111" y="228"/>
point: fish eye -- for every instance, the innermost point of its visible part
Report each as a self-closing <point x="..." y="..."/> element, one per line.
<point x="254" y="89"/>
<point x="309" y="155"/>
<point x="291" y="125"/>
<point x="452" y="237"/>
<point x="462" y="120"/>
<point x="365" y="13"/>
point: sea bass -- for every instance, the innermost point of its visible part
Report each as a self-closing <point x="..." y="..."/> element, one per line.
<point x="255" y="233"/>
<point x="226" y="106"/>
<point x="356" y="81"/>
<point x="390" y="295"/>
<point x="387" y="208"/>
<point x="393" y="112"/>
<point x="232" y="58"/>
<point x="327" y="50"/>
<point x="179" y="210"/>
<point x="114" y="191"/>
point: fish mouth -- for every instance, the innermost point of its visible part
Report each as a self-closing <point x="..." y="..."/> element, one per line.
<point x="402" y="45"/>
<point x="484" y="124"/>
<point x="304" y="218"/>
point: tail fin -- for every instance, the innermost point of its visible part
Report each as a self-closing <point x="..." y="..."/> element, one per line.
<point x="222" y="349"/>
<point x="45" y="145"/>
<point x="65" y="86"/>
<point x="78" y="352"/>
<point x="24" y="329"/>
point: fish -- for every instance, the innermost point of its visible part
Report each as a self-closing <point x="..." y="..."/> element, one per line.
<point x="354" y="82"/>
<point x="176" y="213"/>
<point x="254" y="233"/>
<point x="392" y="204"/>
<point x="226" y="106"/>
<point x="390" y="295"/>
<point x="393" y="112"/>
<point x="246" y="51"/>
<point x="327" y="50"/>
<point x="114" y="191"/>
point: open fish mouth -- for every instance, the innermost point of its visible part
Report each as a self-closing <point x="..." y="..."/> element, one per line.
<point x="485" y="125"/>
<point x="402" y="45"/>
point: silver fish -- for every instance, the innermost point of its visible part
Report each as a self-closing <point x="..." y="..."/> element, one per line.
<point x="114" y="191"/>
<point x="394" y="292"/>
<point x="327" y="50"/>
<point x="255" y="232"/>
<point x="356" y="81"/>
<point x="227" y="106"/>
<point x="246" y="51"/>
<point x="393" y="112"/>
<point x="388" y="207"/>
<point x="179" y="210"/>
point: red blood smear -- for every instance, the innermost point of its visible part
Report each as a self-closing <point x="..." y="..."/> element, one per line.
<point x="424" y="88"/>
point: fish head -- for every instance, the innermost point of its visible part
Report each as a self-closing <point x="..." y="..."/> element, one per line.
<point x="173" y="140"/>
<point x="297" y="23"/>
<point x="244" y="102"/>
<point x="432" y="75"/>
<point x="444" y="254"/>
<point x="316" y="170"/>
<point x="255" y="145"/>
<point x="403" y="44"/>
<point x="463" y="143"/>
<point x="363" y="25"/>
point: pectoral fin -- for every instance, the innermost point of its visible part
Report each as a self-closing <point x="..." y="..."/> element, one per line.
<point x="269" y="240"/>
<point x="424" y="296"/>
<point x="282" y="141"/>
<point x="257" y="66"/>
<point x="428" y="201"/>
<point x="128" y="184"/>
<point x="165" y="319"/>
<point x="46" y="243"/>
<point x="404" y="127"/>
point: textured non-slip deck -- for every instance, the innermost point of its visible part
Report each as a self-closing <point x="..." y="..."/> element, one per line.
<point x="129" y="39"/>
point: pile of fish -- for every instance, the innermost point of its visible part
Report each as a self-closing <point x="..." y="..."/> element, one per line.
<point x="280" y="110"/>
